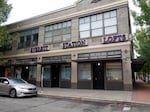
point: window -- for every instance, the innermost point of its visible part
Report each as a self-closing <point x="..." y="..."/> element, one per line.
<point x="84" y="27"/>
<point x="58" y="32"/>
<point x="98" y="25"/>
<point x="113" y="71"/>
<point x="46" y="72"/>
<point x="32" y="72"/>
<point x="85" y="71"/>
<point x="110" y="22"/>
<point x="35" y="37"/>
<point x="66" y="72"/>
<point x="28" y="38"/>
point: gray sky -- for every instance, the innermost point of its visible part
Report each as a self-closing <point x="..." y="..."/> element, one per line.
<point x="23" y="9"/>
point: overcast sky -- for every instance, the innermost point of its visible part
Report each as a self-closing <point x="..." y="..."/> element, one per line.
<point x="23" y="9"/>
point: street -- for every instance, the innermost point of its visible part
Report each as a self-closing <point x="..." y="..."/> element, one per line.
<point x="42" y="104"/>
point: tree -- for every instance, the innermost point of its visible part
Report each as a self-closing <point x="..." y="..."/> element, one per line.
<point x="5" y="41"/>
<point x="142" y="35"/>
<point x="5" y="9"/>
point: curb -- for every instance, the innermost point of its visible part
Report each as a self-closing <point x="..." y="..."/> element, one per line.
<point x="86" y="99"/>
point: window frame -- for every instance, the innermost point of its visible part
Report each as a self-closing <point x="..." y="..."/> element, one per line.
<point x="23" y="35"/>
<point x="57" y="31"/>
<point x="102" y="28"/>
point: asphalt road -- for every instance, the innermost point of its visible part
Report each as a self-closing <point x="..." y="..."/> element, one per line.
<point x="41" y="104"/>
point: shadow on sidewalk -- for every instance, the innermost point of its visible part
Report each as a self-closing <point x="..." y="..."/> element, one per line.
<point x="141" y="92"/>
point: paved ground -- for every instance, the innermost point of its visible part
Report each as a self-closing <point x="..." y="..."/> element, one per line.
<point x="42" y="104"/>
<point x="141" y="94"/>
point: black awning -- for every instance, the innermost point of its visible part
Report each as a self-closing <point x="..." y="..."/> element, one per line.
<point x="94" y="60"/>
<point x="53" y="62"/>
<point x="137" y="64"/>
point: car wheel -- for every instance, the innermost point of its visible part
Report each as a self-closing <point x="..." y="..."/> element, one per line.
<point x="12" y="93"/>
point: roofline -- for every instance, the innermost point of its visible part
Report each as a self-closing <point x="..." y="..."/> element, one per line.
<point x="44" y="14"/>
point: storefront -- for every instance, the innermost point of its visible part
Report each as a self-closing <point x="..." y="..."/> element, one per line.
<point x="100" y="70"/>
<point x="56" y="71"/>
<point x="26" y="69"/>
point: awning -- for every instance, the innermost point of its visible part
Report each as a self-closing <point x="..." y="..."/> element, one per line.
<point x="137" y="64"/>
<point x="94" y="60"/>
<point x="53" y="62"/>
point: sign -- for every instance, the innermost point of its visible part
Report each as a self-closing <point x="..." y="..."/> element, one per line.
<point x="79" y="43"/>
<point x="115" y="39"/>
<point x="39" y="49"/>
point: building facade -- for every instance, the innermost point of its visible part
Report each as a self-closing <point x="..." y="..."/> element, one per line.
<point x="86" y="46"/>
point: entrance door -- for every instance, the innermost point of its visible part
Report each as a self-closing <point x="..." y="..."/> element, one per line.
<point x="55" y="75"/>
<point x="98" y="75"/>
<point x="25" y="73"/>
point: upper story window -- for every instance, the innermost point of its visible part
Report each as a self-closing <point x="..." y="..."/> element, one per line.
<point x="98" y="25"/>
<point x="28" y="38"/>
<point x="58" y="32"/>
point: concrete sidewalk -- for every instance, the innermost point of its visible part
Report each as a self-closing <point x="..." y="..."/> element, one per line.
<point x="95" y="95"/>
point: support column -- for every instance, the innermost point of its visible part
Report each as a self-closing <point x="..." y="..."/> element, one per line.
<point x="39" y="72"/>
<point x="38" y="77"/>
<point x="127" y="71"/>
<point x="74" y="75"/>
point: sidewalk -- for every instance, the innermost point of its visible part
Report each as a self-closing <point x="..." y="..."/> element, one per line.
<point x="141" y="92"/>
<point x="95" y="95"/>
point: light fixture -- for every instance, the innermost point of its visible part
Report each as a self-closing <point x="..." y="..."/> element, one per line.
<point x="98" y="63"/>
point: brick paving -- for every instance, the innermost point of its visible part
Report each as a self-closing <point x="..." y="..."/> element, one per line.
<point x="141" y="92"/>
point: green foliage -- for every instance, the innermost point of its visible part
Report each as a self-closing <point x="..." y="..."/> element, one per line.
<point x="142" y="35"/>
<point x="144" y="17"/>
<point x="4" y="11"/>
<point x="5" y="40"/>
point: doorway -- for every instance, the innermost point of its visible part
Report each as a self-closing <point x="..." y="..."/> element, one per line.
<point x="25" y="73"/>
<point x="98" y="75"/>
<point x="55" y="69"/>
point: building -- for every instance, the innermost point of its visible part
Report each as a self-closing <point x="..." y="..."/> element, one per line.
<point x="87" y="46"/>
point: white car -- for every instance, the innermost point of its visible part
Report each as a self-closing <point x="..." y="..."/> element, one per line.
<point x="14" y="87"/>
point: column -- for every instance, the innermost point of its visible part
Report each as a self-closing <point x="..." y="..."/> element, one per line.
<point x="74" y="75"/>
<point x="127" y="70"/>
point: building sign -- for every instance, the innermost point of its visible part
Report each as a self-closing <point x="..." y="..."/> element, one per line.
<point x="79" y="43"/>
<point x="39" y="49"/>
<point x="115" y="39"/>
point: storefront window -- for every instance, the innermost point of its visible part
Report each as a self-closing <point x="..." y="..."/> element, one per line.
<point x="46" y="72"/>
<point x="18" y="72"/>
<point x="66" y="72"/>
<point x="113" y="71"/>
<point x="32" y="72"/>
<point x="85" y="71"/>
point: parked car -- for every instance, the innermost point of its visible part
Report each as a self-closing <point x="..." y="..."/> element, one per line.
<point x="14" y="87"/>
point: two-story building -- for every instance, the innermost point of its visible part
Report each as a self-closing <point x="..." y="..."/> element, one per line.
<point x="86" y="46"/>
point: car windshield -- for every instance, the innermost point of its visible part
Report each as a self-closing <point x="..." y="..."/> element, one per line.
<point x="16" y="81"/>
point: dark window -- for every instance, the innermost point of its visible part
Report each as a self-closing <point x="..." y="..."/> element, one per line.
<point x="28" y="38"/>
<point x="35" y="39"/>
